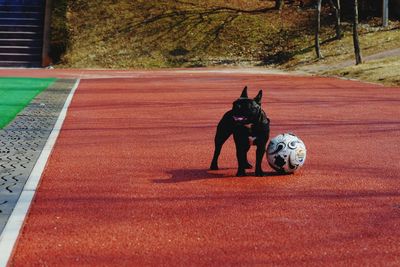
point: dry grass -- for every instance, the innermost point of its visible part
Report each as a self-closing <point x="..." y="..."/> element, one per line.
<point x="384" y="71"/>
<point x="372" y="39"/>
<point x="185" y="33"/>
<point x="339" y="56"/>
<point x="193" y="33"/>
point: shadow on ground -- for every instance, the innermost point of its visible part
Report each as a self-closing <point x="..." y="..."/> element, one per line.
<point x="187" y="175"/>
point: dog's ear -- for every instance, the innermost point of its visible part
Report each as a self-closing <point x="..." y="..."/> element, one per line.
<point x="244" y="93"/>
<point x="258" y="97"/>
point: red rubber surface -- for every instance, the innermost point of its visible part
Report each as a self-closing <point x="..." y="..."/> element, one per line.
<point x="127" y="183"/>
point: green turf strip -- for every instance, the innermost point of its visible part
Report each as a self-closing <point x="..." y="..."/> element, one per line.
<point x="17" y="93"/>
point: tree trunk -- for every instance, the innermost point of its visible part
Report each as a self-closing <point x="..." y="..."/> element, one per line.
<point x="336" y="7"/>
<point x="385" y="15"/>
<point x="279" y="4"/>
<point x="317" y="30"/>
<point x="357" y="50"/>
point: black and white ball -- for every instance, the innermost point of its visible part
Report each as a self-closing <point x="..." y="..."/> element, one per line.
<point x="286" y="153"/>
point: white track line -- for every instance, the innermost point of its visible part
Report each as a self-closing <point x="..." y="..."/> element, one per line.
<point x="14" y="225"/>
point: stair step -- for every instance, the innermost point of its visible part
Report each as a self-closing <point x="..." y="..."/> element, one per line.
<point x="20" y="28"/>
<point x="20" y="57"/>
<point x="20" y="64"/>
<point x="21" y="49"/>
<point x="23" y="8"/>
<point x="19" y="21"/>
<point x="23" y="14"/>
<point x="20" y="35"/>
<point x="21" y="42"/>
<point x="22" y="2"/>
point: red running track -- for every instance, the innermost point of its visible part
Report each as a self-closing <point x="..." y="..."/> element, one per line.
<point x="127" y="183"/>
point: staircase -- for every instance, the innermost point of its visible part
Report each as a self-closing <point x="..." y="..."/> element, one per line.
<point x="21" y="33"/>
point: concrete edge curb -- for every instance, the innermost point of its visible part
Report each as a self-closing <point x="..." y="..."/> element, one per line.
<point x="12" y="230"/>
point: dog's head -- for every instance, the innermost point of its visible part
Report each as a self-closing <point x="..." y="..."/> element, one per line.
<point x="247" y="110"/>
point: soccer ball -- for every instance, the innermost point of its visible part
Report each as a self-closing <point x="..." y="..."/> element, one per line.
<point x="286" y="153"/>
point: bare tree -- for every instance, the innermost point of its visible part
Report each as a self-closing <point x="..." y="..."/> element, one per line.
<point x="357" y="50"/>
<point x="317" y="30"/>
<point x="336" y="6"/>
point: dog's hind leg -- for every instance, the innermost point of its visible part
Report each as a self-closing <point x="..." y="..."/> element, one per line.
<point x="248" y="165"/>
<point x="259" y="155"/>
<point x="261" y="146"/>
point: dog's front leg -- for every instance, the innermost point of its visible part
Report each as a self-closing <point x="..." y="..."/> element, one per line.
<point x="219" y="141"/>
<point x="242" y="147"/>
<point x="242" y="163"/>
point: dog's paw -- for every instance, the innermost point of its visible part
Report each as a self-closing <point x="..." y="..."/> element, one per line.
<point x="214" y="167"/>
<point x="241" y="174"/>
<point x="260" y="173"/>
<point x="248" y="166"/>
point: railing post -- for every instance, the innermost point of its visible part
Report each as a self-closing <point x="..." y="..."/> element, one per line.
<point x="46" y="60"/>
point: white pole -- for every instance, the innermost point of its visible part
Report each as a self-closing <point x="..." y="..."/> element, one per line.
<point x="385" y="16"/>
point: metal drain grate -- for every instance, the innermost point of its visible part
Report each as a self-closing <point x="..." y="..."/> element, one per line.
<point x="22" y="141"/>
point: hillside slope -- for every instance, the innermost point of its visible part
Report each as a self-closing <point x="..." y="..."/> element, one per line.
<point x="121" y="34"/>
<point x="194" y="33"/>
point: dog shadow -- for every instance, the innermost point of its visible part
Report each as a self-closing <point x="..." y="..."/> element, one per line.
<point x="188" y="175"/>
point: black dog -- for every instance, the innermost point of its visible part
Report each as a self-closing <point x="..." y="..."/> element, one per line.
<point x="250" y="126"/>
